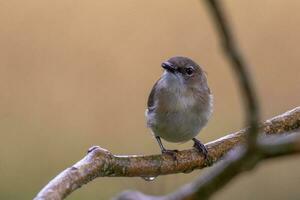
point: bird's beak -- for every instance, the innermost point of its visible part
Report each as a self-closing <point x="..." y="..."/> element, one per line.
<point x="168" y="66"/>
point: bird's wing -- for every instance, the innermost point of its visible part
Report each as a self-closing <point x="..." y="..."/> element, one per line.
<point x="151" y="102"/>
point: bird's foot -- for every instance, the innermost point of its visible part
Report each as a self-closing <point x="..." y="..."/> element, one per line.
<point x="200" y="147"/>
<point x="170" y="152"/>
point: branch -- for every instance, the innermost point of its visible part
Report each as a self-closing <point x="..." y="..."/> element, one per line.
<point x="100" y="162"/>
<point x="284" y="145"/>
<point x="240" y="160"/>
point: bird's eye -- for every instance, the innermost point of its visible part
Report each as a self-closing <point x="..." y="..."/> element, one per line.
<point x="189" y="71"/>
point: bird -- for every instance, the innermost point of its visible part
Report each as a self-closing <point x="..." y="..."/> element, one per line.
<point x="180" y="104"/>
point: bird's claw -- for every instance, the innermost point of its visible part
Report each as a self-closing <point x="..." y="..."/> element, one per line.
<point x="201" y="148"/>
<point x="170" y="152"/>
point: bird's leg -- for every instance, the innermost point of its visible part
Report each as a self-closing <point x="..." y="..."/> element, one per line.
<point x="200" y="147"/>
<point x="164" y="150"/>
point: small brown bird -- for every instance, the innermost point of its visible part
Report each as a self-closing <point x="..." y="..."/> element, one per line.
<point x="180" y="103"/>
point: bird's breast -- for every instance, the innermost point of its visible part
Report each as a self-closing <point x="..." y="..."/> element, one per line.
<point x="178" y="118"/>
<point x="178" y="112"/>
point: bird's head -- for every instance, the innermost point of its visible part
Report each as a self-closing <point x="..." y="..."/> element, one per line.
<point x="184" y="70"/>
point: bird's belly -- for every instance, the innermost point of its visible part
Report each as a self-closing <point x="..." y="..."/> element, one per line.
<point x="178" y="126"/>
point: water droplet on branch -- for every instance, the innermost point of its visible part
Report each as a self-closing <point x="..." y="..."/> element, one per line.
<point x="148" y="178"/>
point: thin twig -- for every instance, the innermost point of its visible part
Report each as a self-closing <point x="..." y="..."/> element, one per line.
<point x="239" y="66"/>
<point x="222" y="174"/>
<point x="289" y="144"/>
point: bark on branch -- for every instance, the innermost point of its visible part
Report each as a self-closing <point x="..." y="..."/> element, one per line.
<point x="100" y="162"/>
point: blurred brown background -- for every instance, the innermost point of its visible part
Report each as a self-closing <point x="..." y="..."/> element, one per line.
<point x="77" y="73"/>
